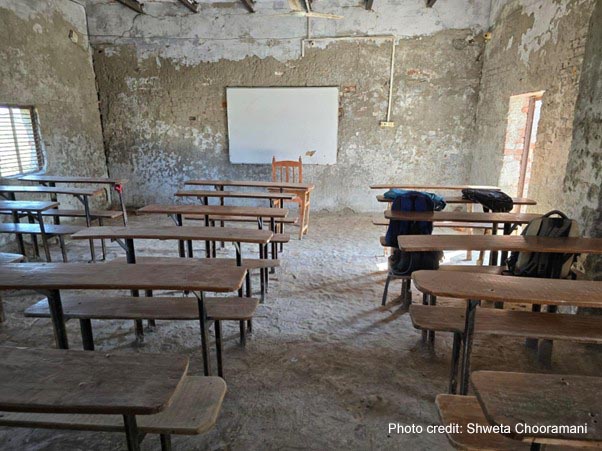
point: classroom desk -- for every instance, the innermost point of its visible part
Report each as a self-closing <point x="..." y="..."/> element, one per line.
<point x="9" y="191"/>
<point x="30" y="208"/>
<point x="206" y="194"/>
<point x="431" y="187"/>
<point x="220" y="184"/>
<point x="519" y="243"/>
<point x="486" y="287"/>
<point x="462" y="216"/>
<point x="461" y="200"/>
<point x="512" y="399"/>
<point x="50" y="278"/>
<point x="52" y="180"/>
<point x="83" y="382"/>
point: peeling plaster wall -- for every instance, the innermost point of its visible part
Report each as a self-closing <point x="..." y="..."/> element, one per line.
<point x="536" y="45"/>
<point x="162" y="78"/>
<point x="583" y="182"/>
<point x="41" y="66"/>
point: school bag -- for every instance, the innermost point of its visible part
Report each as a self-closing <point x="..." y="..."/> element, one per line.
<point x="540" y="264"/>
<point x="404" y="263"/>
<point x="495" y="201"/>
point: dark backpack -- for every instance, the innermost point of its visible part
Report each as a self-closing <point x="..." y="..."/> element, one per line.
<point x="546" y="265"/>
<point x="404" y="263"/>
<point x="495" y="201"/>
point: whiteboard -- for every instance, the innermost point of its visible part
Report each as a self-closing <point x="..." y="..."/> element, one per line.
<point x="287" y="123"/>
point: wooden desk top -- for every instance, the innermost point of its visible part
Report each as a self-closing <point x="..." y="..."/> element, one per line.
<point x="49" y="190"/>
<point x="461" y="216"/>
<point x="66" y="381"/>
<point x="33" y="206"/>
<point x="541" y="399"/>
<point x="460" y="200"/>
<point x="70" y="179"/>
<point x="252" y="184"/>
<point x="414" y="243"/>
<point x="489" y="287"/>
<point x="236" y="194"/>
<point x="221" y="210"/>
<point x="67" y="276"/>
<point x="229" y="234"/>
<point x="431" y="187"/>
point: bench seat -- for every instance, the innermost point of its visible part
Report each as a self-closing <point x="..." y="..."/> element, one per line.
<point x="462" y="410"/>
<point x="496" y="270"/>
<point x="548" y="326"/>
<point x="34" y="229"/>
<point x="449" y="224"/>
<point x="240" y="219"/>
<point x="281" y="238"/>
<point x="247" y="263"/>
<point x="138" y="308"/>
<point x="104" y="214"/>
<point x="194" y="410"/>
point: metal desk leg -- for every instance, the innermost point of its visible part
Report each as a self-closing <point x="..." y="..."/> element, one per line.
<point x="455" y="361"/>
<point x="34" y="238"/>
<point x="204" y="334"/>
<point x="86" y="203"/>
<point x="131" y="258"/>
<point x="20" y="241"/>
<point x="471" y="307"/>
<point x="131" y="432"/>
<point x="58" y="320"/>
<point x="44" y="237"/>
<point x="85" y="325"/>
<point x="119" y="189"/>
<point x="181" y="250"/>
<point x="165" y="442"/>
<point x="218" y="346"/>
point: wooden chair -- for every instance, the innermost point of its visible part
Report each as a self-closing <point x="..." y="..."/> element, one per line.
<point x="292" y="172"/>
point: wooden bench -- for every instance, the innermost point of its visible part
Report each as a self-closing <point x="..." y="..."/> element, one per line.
<point x="544" y="326"/>
<point x="444" y="224"/>
<point x="235" y="194"/>
<point x="193" y="410"/>
<point x="464" y="410"/>
<point x="50" y="230"/>
<point x="159" y="308"/>
<point x="224" y="218"/>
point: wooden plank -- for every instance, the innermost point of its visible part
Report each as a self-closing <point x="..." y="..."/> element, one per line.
<point x="258" y="212"/>
<point x="487" y="287"/>
<point x="461" y="200"/>
<point x="236" y="194"/>
<point x="239" y="219"/>
<point x="549" y="326"/>
<point x="462" y="216"/>
<point x="541" y="399"/>
<point x="465" y="410"/>
<point x="72" y="179"/>
<point x="473" y="268"/>
<point x="163" y="308"/>
<point x="6" y="257"/>
<point x="431" y="187"/>
<point x="67" y="381"/>
<point x="193" y="410"/>
<point x="56" y="212"/>
<point x="34" y="229"/>
<point x="26" y="205"/>
<point x="57" y="276"/>
<point x="247" y="263"/>
<point x="174" y="232"/>
<point x="520" y="243"/>
<point x="49" y="190"/>
<point x="252" y="184"/>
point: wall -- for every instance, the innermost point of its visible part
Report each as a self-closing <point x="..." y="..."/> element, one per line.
<point x="162" y="79"/>
<point x="583" y="181"/>
<point x="41" y="66"/>
<point x="535" y="45"/>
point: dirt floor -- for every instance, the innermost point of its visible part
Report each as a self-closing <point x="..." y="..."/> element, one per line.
<point x="326" y="367"/>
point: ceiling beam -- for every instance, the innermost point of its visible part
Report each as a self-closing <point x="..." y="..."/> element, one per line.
<point x="368" y="4"/>
<point x="133" y="4"/>
<point x="192" y="5"/>
<point x="249" y="5"/>
<point x="430" y="3"/>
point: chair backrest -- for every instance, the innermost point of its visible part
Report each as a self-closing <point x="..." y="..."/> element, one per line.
<point x="289" y="171"/>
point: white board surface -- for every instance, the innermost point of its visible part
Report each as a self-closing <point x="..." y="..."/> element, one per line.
<point x="287" y="123"/>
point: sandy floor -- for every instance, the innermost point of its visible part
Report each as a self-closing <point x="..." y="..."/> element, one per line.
<point x="326" y="368"/>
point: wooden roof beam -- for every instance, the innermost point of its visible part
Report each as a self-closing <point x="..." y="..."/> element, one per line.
<point x="133" y="4"/>
<point x="249" y="4"/>
<point x="192" y="5"/>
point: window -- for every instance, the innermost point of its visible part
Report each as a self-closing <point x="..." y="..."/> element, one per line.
<point x="20" y="143"/>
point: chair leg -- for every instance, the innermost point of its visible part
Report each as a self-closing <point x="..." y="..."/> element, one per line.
<point x="386" y="291"/>
<point x="301" y="218"/>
